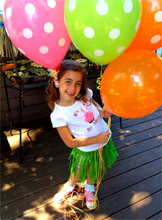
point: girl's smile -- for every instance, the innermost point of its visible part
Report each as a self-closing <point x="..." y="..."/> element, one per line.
<point x="69" y="87"/>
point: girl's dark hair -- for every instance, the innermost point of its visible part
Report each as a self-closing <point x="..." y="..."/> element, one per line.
<point x="53" y="92"/>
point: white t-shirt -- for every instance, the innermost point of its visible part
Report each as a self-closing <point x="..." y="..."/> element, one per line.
<point x="83" y="120"/>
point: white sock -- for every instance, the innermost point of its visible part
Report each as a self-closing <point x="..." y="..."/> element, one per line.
<point x="68" y="187"/>
<point x="89" y="188"/>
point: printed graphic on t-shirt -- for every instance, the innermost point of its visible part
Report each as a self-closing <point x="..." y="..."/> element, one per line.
<point x="88" y="116"/>
<point x="93" y="124"/>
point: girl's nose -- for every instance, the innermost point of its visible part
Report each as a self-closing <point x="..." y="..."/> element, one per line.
<point x="72" y="87"/>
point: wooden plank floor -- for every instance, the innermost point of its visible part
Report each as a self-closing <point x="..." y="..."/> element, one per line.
<point x="130" y="190"/>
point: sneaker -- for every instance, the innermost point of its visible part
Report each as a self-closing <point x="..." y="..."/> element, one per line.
<point x="90" y="200"/>
<point x="61" y="195"/>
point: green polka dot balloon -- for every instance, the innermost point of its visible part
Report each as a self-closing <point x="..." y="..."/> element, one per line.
<point x="102" y="29"/>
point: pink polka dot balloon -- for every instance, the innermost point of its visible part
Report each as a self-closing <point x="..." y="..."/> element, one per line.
<point x="37" y="29"/>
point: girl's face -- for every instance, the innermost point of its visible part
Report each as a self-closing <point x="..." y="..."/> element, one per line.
<point x="69" y="87"/>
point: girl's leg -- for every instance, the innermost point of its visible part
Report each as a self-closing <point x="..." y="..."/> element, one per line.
<point x="89" y="186"/>
<point x="90" y="194"/>
<point x="89" y="180"/>
<point x="72" y="181"/>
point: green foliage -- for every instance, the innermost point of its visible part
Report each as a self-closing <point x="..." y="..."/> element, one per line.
<point x="27" y="71"/>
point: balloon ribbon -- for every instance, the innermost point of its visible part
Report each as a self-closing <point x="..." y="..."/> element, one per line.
<point x="101" y="162"/>
<point x="98" y="81"/>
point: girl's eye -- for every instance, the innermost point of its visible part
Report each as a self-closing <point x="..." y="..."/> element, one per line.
<point x="79" y="83"/>
<point x="67" y="81"/>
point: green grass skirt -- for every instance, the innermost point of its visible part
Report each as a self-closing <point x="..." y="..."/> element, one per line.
<point x="91" y="163"/>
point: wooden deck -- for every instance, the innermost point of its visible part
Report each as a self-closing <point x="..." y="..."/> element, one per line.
<point x="130" y="190"/>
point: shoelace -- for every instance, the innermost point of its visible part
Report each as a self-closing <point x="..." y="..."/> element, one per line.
<point x="90" y="196"/>
<point x="64" y="191"/>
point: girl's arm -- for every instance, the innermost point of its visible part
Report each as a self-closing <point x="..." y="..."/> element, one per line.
<point x="103" y="112"/>
<point x="71" y="142"/>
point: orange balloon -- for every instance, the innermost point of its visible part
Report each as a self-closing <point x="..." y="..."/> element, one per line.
<point x="149" y="34"/>
<point x="131" y="86"/>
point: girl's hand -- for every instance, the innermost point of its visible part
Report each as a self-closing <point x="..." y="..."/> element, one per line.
<point x="103" y="137"/>
<point x="104" y="113"/>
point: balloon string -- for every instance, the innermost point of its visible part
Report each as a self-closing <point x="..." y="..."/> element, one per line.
<point x="101" y="165"/>
<point x="109" y="123"/>
<point x="98" y="81"/>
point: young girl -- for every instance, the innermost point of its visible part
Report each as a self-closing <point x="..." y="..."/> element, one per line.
<point x="79" y="122"/>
